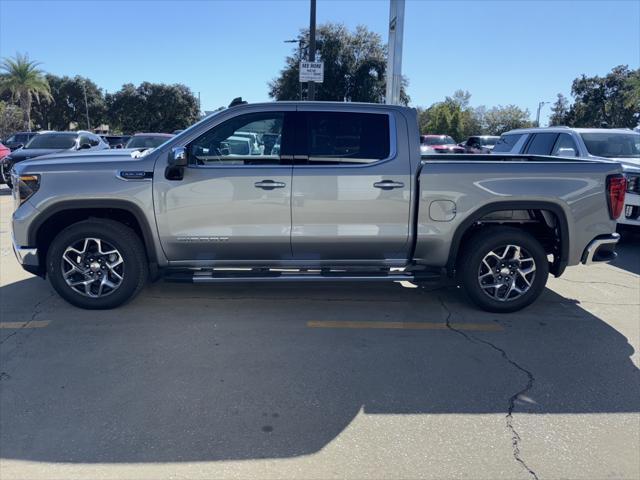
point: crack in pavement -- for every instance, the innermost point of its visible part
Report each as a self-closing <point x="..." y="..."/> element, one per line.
<point x="515" y="436"/>
<point x="37" y="310"/>
<point x="597" y="283"/>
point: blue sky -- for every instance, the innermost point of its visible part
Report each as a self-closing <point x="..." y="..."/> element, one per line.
<point x="501" y="51"/>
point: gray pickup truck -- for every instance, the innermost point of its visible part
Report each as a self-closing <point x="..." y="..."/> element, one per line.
<point x="339" y="192"/>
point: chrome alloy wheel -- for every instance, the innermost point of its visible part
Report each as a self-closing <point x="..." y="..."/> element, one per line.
<point x="507" y="273"/>
<point x="92" y="267"/>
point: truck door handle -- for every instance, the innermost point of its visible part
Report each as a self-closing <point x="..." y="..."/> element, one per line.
<point x="269" y="184"/>
<point x="388" y="184"/>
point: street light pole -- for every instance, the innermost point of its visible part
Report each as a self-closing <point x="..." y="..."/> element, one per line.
<point x="86" y="106"/>
<point x="300" y="42"/>
<point x="311" y="88"/>
<point x="540" y="105"/>
<point x="394" y="60"/>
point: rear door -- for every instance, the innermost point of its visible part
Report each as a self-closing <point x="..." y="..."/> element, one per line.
<point x="351" y="187"/>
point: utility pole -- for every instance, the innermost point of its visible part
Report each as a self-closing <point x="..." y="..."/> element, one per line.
<point x="540" y="105"/>
<point x="311" y="88"/>
<point x="394" y="60"/>
<point x="86" y="105"/>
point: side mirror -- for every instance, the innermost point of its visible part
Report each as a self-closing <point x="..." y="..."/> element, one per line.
<point x="178" y="157"/>
<point x="176" y="163"/>
<point x="567" y="152"/>
<point x="84" y="146"/>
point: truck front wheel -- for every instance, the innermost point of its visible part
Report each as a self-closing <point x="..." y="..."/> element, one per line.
<point x="503" y="269"/>
<point x="97" y="264"/>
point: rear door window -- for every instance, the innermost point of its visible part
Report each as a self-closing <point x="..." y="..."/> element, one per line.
<point x="542" y="143"/>
<point x="506" y="143"/>
<point x="344" y="138"/>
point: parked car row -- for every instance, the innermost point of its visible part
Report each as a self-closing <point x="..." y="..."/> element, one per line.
<point x="27" y="145"/>
<point x="446" y="144"/>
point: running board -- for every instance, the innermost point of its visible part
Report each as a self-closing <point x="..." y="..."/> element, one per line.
<point x="270" y="276"/>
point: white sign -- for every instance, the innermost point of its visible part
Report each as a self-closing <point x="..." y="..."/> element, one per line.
<point x="312" y="72"/>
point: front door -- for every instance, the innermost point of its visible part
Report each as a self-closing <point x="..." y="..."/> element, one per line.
<point x="233" y="203"/>
<point x="351" y="193"/>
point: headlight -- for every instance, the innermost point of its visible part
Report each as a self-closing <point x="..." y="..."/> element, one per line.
<point x="25" y="186"/>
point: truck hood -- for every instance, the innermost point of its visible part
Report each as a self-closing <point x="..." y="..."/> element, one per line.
<point x="76" y="160"/>
<point x="628" y="162"/>
<point x="25" y="154"/>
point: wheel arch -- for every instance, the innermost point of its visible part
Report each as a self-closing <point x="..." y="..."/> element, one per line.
<point x="52" y="220"/>
<point x="471" y="224"/>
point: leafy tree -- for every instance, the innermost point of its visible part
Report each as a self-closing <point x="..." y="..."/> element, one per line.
<point x="501" y="119"/>
<point x="453" y="117"/>
<point x="559" y="111"/>
<point x="354" y="67"/>
<point x="152" y="107"/>
<point x="68" y="105"/>
<point x="612" y="100"/>
<point x="25" y="82"/>
<point x="10" y="119"/>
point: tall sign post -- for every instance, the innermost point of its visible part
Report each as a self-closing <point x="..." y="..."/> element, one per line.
<point x="394" y="60"/>
<point x="311" y="88"/>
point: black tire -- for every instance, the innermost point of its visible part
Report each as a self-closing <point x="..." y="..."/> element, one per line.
<point x="134" y="267"/>
<point x="471" y="267"/>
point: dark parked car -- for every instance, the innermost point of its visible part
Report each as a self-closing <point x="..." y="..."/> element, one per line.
<point x="438" y="144"/>
<point x="144" y="141"/>
<point x="18" y="140"/>
<point x="4" y="151"/>
<point x="51" y="142"/>
<point x="480" y="144"/>
<point x="116" y="141"/>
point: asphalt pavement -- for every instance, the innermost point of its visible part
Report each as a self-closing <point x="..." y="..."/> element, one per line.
<point x="321" y="380"/>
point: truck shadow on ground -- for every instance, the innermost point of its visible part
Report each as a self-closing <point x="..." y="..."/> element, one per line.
<point x="629" y="250"/>
<point x="189" y="373"/>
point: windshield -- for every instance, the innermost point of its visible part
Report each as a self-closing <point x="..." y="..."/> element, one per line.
<point x="443" y="140"/>
<point x="59" y="141"/>
<point x="146" y="141"/>
<point x="488" y="140"/>
<point x="612" y="145"/>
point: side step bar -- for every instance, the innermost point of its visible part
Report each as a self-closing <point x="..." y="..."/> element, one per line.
<point x="209" y="276"/>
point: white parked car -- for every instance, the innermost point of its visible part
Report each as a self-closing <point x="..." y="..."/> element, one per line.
<point x="619" y="145"/>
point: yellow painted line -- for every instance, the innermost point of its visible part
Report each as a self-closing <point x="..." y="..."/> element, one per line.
<point x="18" y="325"/>
<point x="480" y="327"/>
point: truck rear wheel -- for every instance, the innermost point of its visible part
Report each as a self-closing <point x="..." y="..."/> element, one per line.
<point x="97" y="264"/>
<point x="503" y="269"/>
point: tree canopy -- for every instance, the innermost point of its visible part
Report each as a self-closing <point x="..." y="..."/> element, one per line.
<point x="455" y="117"/>
<point x="609" y="101"/>
<point x="354" y="67"/>
<point x="152" y="107"/>
<point x="25" y="82"/>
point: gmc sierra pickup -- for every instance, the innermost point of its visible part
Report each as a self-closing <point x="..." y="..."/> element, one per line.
<point x="295" y="191"/>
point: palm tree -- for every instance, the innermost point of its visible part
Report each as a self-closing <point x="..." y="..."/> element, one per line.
<point x="24" y="81"/>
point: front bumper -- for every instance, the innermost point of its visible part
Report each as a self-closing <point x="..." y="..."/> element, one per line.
<point x="631" y="212"/>
<point x="601" y="249"/>
<point x="27" y="257"/>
